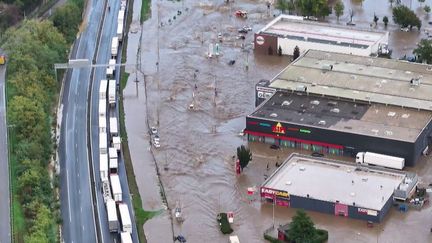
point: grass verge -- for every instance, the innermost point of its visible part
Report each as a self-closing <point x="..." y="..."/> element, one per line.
<point x="145" y="10"/>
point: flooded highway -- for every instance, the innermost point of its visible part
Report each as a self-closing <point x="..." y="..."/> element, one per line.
<point x="197" y="145"/>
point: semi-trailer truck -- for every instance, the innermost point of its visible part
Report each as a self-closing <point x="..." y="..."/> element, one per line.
<point x="116" y="142"/>
<point x="113" y="160"/>
<point x="103" y="143"/>
<point x="102" y="125"/>
<point x="112" y="92"/>
<point x="120" y="16"/>
<point x="125" y="237"/>
<point x="113" y="126"/>
<point x="112" y="216"/>
<point x="102" y="108"/>
<point x="126" y="223"/>
<point x="116" y="188"/>
<point x="380" y="160"/>
<point x="114" y="46"/>
<point x="103" y="166"/>
<point x="120" y="31"/>
<point x="106" y="191"/>
<point x="103" y="89"/>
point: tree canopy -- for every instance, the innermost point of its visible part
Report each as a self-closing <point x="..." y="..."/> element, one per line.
<point x="317" y="8"/>
<point x="302" y="229"/>
<point x="244" y="155"/>
<point x="405" y="17"/>
<point x="424" y="51"/>
<point x="339" y="9"/>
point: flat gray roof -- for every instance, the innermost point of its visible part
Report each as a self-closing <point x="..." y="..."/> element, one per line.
<point x="294" y="27"/>
<point x="375" y="80"/>
<point x="378" y="120"/>
<point x="331" y="180"/>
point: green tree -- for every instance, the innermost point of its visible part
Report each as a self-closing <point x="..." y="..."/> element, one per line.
<point x="405" y="17"/>
<point x="339" y="9"/>
<point x="282" y="5"/>
<point x="317" y="8"/>
<point x="424" y="51"/>
<point x="302" y="229"/>
<point x="296" y="53"/>
<point x="244" y="155"/>
<point x="427" y="9"/>
<point x="66" y="19"/>
<point x="385" y="20"/>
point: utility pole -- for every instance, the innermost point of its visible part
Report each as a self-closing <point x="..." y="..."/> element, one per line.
<point x="274" y="201"/>
<point x="157" y="65"/>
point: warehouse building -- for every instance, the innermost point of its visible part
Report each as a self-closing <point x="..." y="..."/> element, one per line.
<point x="343" y="104"/>
<point x="335" y="187"/>
<point x="288" y="31"/>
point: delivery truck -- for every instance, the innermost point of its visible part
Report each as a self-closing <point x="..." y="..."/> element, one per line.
<point x="113" y="160"/>
<point x="102" y="125"/>
<point x="103" y="89"/>
<point x="125" y="237"/>
<point x="112" y="216"/>
<point x="112" y="92"/>
<point x="125" y="219"/>
<point x="120" y="16"/>
<point x="113" y="126"/>
<point x="102" y="108"/>
<point x="116" y="142"/>
<point x="114" y="47"/>
<point x="103" y="167"/>
<point x="120" y="31"/>
<point x="116" y="188"/>
<point x="383" y="160"/>
<point x="103" y="143"/>
<point x="106" y="191"/>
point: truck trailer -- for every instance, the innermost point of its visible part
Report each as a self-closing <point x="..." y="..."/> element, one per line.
<point x="112" y="92"/>
<point x="114" y="47"/>
<point x="116" y="142"/>
<point x="120" y="31"/>
<point x="102" y="108"/>
<point x="112" y="216"/>
<point x="106" y="191"/>
<point x="113" y="126"/>
<point x="125" y="237"/>
<point x="102" y="125"/>
<point x="126" y="223"/>
<point x="116" y="188"/>
<point x="380" y="160"/>
<point x="103" y="143"/>
<point x="113" y="160"/>
<point x="103" y="89"/>
<point x="103" y="167"/>
<point x="120" y="16"/>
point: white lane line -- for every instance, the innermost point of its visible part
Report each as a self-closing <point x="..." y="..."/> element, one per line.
<point x="69" y="202"/>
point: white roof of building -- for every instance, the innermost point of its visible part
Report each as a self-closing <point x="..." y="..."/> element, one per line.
<point x="332" y="181"/>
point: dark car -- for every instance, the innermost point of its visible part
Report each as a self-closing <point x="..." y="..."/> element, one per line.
<point x="316" y="154"/>
<point x="243" y="31"/>
<point x="274" y="146"/>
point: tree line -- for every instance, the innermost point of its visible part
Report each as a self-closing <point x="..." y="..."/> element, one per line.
<point x="32" y="93"/>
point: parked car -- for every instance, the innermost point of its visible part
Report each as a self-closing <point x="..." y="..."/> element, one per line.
<point x="405" y="29"/>
<point x="316" y="154"/>
<point x="274" y="146"/>
<point x="156" y="143"/>
<point x="242" y="31"/>
<point x="247" y="28"/>
<point x="156" y="138"/>
<point x="240" y="37"/>
<point x="153" y="130"/>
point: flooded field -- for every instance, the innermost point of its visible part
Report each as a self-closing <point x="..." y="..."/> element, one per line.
<point x="197" y="145"/>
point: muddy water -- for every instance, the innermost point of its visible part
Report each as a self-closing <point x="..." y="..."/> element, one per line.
<point x="197" y="145"/>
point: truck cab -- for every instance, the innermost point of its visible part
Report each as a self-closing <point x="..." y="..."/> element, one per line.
<point x="2" y="59"/>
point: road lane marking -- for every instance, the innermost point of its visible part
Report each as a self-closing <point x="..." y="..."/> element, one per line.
<point x="69" y="203"/>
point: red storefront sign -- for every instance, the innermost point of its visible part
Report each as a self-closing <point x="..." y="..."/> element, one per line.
<point x="278" y="128"/>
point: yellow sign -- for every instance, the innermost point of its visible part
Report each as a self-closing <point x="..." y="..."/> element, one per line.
<point x="278" y="128"/>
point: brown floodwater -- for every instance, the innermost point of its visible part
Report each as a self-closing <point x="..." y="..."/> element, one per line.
<point x="195" y="157"/>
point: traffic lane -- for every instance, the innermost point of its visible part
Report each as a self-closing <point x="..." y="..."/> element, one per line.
<point x="5" y="230"/>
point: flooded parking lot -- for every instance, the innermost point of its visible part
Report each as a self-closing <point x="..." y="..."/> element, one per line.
<point x="197" y="144"/>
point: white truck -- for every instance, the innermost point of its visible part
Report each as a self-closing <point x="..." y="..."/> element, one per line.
<point x="116" y="142"/>
<point x="120" y="31"/>
<point x="380" y="160"/>
<point x="112" y="92"/>
<point x="113" y="160"/>
<point x="125" y="237"/>
<point x="103" y="167"/>
<point x="113" y="126"/>
<point x="120" y="17"/>
<point x="103" y="89"/>
<point x="102" y="108"/>
<point x="103" y="143"/>
<point x="102" y="125"/>
<point x="112" y="216"/>
<point x="106" y="191"/>
<point x="114" y="47"/>
<point x="116" y="187"/>
<point x="126" y="223"/>
<point x="109" y="73"/>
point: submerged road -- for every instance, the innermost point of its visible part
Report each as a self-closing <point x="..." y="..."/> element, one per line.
<point x="5" y="229"/>
<point x="75" y="190"/>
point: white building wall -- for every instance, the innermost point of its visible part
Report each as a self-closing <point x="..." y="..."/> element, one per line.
<point x="288" y="46"/>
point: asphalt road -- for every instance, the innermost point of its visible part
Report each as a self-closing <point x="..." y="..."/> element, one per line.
<point x="5" y="230"/>
<point x="104" y="54"/>
<point x="75" y="190"/>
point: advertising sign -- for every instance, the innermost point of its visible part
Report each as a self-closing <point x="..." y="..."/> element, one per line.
<point x="271" y="193"/>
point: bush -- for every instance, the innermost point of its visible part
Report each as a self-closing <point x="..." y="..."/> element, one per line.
<point x="225" y="227"/>
<point x="271" y="239"/>
<point x="321" y="235"/>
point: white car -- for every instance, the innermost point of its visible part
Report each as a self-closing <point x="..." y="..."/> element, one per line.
<point x="405" y="29"/>
<point x="153" y="130"/>
<point x="156" y="144"/>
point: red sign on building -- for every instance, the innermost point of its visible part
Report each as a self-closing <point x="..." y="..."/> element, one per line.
<point x="278" y="128"/>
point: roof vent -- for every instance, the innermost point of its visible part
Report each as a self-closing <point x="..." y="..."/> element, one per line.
<point x="353" y="77"/>
<point x="364" y="179"/>
<point x="315" y="102"/>
<point x="391" y="113"/>
<point x="405" y="115"/>
<point x="335" y="110"/>
<point x="288" y="183"/>
<point x="322" y="122"/>
<point x="375" y="131"/>
<point x="301" y="88"/>
<point x="408" y="72"/>
<point x="383" y="81"/>
<point x="273" y="115"/>
<point x="352" y="194"/>
<point x="286" y="103"/>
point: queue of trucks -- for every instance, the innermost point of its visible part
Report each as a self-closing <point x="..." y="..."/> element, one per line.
<point x="119" y="218"/>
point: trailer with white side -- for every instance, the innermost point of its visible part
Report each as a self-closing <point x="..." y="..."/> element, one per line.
<point x="120" y="31"/>
<point x="113" y="160"/>
<point x="112" y="92"/>
<point x="103" y="89"/>
<point x="102" y="125"/>
<point x="380" y="160"/>
<point x="102" y="108"/>
<point x="113" y="126"/>
<point x="112" y="216"/>
<point x="103" y="143"/>
<point x="120" y="16"/>
<point x="106" y="191"/>
<point x="103" y="167"/>
<point x="125" y="237"/>
<point x="116" y="188"/>
<point x="114" y="46"/>
<point x="116" y="142"/>
<point x="125" y="219"/>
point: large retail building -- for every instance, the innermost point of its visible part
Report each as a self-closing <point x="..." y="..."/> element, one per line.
<point x="288" y="31"/>
<point x="336" y="187"/>
<point x="343" y="104"/>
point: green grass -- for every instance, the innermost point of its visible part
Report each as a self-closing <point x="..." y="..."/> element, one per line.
<point x="145" y="10"/>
